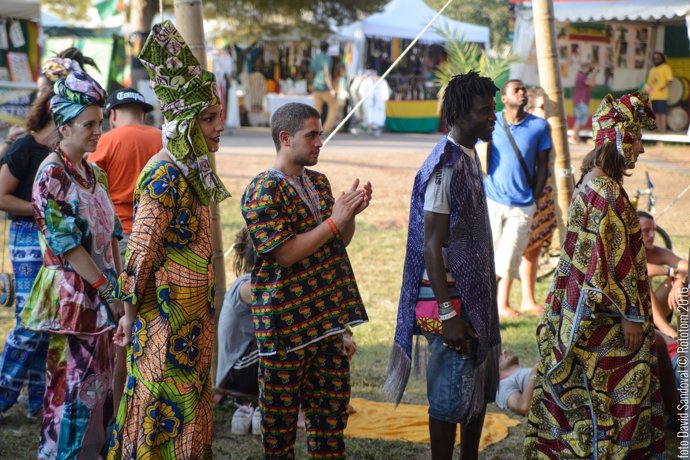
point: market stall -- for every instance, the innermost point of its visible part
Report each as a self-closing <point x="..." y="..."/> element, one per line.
<point x="618" y="37"/>
<point x="377" y="41"/>
<point x="19" y="61"/>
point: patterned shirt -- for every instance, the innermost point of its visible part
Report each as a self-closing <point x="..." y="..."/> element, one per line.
<point x="70" y="216"/>
<point x="315" y="297"/>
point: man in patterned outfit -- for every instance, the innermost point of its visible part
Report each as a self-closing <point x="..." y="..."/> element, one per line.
<point x="304" y="294"/>
<point x="449" y="289"/>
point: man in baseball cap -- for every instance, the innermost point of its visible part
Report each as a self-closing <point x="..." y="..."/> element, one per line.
<point x="127" y="96"/>
<point x="124" y="150"/>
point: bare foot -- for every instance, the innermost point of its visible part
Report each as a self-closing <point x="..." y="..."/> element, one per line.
<point x="531" y="309"/>
<point x="508" y="313"/>
<point x="350" y="409"/>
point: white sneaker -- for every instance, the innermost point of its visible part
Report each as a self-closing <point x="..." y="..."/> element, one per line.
<point x="242" y="420"/>
<point x="256" y="421"/>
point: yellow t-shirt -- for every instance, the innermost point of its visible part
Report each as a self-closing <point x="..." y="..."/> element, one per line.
<point x="659" y="77"/>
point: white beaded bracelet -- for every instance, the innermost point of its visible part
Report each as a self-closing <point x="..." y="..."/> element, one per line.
<point x="448" y="315"/>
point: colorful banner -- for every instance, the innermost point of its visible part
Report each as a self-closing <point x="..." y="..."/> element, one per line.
<point x="412" y="116"/>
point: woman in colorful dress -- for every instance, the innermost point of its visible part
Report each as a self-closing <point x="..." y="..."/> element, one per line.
<point x="24" y="355"/>
<point x="597" y="391"/>
<point x="167" y="283"/>
<point x="72" y="296"/>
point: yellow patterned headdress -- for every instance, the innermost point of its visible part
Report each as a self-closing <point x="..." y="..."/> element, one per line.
<point x="621" y="121"/>
<point x="56" y="68"/>
<point x="184" y="90"/>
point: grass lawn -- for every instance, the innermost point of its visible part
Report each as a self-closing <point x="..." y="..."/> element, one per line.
<point x="377" y="253"/>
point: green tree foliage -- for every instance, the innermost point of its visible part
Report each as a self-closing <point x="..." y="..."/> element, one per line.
<point x="492" y="13"/>
<point x="251" y="19"/>
<point x="248" y="20"/>
<point x="464" y="56"/>
<point x="75" y="9"/>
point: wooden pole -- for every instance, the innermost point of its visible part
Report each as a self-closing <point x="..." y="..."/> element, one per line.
<point x="189" y="19"/>
<point x="550" y="80"/>
<point x="140" y="16"/>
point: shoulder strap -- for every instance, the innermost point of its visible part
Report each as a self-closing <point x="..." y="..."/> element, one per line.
<point x="531" y="180"/>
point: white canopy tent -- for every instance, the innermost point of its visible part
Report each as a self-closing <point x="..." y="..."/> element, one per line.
<point x="405" y="19"/>
<point x="607" y="11"/>
<point x="617" y="10"/>
<point x="20" y="9"/>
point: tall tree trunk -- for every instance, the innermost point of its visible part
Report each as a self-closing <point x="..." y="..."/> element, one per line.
<point x="550" y="80"/>
<point x="190" y="24"/>
<point x="141" y="15"/>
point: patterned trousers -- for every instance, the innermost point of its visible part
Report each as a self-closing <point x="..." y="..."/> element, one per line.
<point x="317" y="377"/>
<point x="24" y="356"/>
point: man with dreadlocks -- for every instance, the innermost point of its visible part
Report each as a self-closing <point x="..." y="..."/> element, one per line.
<point x="449" y="288"/>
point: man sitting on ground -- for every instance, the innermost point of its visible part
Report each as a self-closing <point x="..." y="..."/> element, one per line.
<point x="662" y="262"/>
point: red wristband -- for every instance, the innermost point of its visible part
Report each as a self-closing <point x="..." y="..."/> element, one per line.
<point x="332" y="226"/>
<point x="99" y="282"/>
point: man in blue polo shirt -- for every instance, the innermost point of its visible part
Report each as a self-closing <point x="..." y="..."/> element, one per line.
<point x="516" y="173"/>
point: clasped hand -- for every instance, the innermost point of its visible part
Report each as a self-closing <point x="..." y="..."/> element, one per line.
<point x="351" y="203"/>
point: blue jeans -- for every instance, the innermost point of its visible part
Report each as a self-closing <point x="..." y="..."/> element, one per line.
<point x="448" y="375"/>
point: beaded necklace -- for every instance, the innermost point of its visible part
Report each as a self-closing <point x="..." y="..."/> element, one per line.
<point x="87" y="182"/>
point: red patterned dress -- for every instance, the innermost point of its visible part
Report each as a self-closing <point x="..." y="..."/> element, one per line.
<point x="594" y="398"/>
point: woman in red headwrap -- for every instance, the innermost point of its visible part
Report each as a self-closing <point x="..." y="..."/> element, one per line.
<point x="597" y="391"/>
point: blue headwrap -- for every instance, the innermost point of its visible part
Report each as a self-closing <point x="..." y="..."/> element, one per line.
<point x="73" y="94"/>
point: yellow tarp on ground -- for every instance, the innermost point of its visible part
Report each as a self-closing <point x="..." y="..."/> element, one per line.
<point x="410" y="422"/>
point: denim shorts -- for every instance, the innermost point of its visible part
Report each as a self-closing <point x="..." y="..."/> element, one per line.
<point x="448" y="374"/>
<point x="581" y="113"/>
<point x="659" y="107"/>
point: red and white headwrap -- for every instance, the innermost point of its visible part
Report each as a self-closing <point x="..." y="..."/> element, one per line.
<point x="621" y="121"/>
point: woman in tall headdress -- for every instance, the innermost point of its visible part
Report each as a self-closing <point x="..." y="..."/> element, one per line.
<point x="72" y="297"/>
<point x="168" y="279"/>
<point x="597" y="391"/>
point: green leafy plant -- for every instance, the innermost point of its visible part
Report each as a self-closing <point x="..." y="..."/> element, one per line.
<point x="465" y="56"/>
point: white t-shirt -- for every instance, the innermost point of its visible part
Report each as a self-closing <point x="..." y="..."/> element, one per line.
<point x="517" y="381"/>
<point x="437" y="195"/>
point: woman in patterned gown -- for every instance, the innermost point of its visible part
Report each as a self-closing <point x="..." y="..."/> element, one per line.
<point x="167" y="282"/>
<point x="72" y="296"/>
<point x="597" y="391"/>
